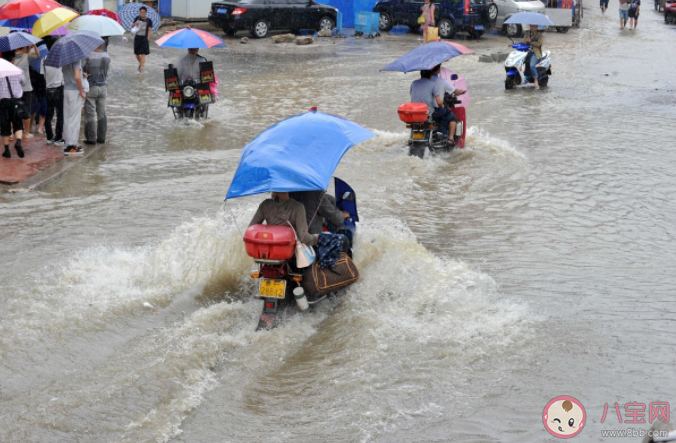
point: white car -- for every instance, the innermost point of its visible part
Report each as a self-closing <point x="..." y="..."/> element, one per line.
<point x="507" y="8"/>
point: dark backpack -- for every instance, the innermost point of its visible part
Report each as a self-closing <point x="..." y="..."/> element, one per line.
<point x="38" y="81"/>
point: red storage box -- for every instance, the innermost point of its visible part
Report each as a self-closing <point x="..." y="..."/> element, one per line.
<point x="413" y="112"/>
<point x="270" y="242"/>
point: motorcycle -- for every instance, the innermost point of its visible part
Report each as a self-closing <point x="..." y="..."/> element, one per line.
<point x="279" y="279"/>
<point x="185" y="102"/>
<point x="518" y="70"/>
<point x="425" y="133"/>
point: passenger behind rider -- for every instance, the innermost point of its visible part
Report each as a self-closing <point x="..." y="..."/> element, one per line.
<point x="189" y="66"/>
<point x="447" y="87"/>
<point x="534" y="38"/>
<point x="281" y="210"/>
<point x="318" y="205"/>
<point x="425" y="90"/>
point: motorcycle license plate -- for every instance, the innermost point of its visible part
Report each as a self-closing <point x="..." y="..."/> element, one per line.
<point x="272" y="288"/>
<point x="478" y="27"/>
<point x="418" y="136"/>
<point x="222" y="11"/>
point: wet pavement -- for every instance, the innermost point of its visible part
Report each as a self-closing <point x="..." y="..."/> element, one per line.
<point x="536" y="262"/>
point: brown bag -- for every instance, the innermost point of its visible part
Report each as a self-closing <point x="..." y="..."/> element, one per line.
<point x="320" y="281"/>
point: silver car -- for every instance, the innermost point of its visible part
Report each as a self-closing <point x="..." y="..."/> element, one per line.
<point x="507" y="8"/>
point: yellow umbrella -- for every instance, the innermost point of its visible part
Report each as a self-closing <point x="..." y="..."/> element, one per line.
<point x="53" y="20"/>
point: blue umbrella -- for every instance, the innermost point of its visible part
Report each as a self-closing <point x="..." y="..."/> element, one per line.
<point x="72" y="48"/>
<point x="130" y="11"/>
<point x="530" y="18"/>
<point x="297" y="154"/>
<point x="15" y="40"/>
<point x="427" y="56"/>
<point x="20" y="23"/>
<point x="43" y="51"/>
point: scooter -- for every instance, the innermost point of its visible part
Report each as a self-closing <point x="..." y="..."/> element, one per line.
<point x="185" y="103"/>
<point x="425" y="133"/>
<point x="518" y="70"/>
<point x="279" y="279"/>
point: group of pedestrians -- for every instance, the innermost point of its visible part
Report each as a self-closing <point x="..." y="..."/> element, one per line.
<point x="629" y="12"/>
<point x="42" y="94"/>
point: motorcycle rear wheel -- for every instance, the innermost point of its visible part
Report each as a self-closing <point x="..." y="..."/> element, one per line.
<point x="543" y="82"/>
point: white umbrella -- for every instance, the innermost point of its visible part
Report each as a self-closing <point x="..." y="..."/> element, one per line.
<point x="99" y="24"/>
<point x="7" y="69"/>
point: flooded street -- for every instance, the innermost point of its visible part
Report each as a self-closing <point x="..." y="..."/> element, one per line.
<point x="537" y="262"/>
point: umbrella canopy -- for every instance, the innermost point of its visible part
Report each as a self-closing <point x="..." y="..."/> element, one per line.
<point x="60" y="31"/>
<point x="105" y="13"/>
<point x="300" y="153"/>
<point x="190" y="38"/>
<point x="21" y="23"/>
<point x="7" y="69"/>
<point x="24" y="8"/>
<point x="42" y="51"/>
<point x="530" y="18"/>
<point x="427" y="56"/>
<point x="15" y="40"/>
<point x="52" y="21"/>
<point x="130" y="11"/>
<point x="72" y="48"/>
<point x="103" y="26"/>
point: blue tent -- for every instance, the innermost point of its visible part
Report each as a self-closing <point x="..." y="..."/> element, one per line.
<point x="300" y="153"/>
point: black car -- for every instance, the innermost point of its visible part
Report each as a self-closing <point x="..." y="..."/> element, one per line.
<point x="261" y="16"/>
<point x="471" y="16"/>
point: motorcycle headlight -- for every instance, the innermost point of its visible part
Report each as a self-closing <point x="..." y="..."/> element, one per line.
<point x="188" y="91"/>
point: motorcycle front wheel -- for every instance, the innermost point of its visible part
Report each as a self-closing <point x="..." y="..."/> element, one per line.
<point x="510" y="82"/>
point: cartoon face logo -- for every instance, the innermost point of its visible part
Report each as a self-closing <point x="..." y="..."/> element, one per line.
<point x="564" y="417"/>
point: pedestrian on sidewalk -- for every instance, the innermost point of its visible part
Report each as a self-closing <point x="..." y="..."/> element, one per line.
<point x="624" y="13"/>
<point x="634" y="9"/>
<point x="54" y="96"/>
<point x="95" y="68"/>
<point x="10" y="91"/>
<point x="23" y="57"/>
<point x="604" y="6"/>
<point x="73" y="99"/>
<point x="144" y="27"/>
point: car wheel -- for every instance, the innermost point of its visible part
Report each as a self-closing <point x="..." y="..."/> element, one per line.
<point x="512" y="30"/>
<point x="260" y="29"/>
<point x="671" y="19"/>
<point x="476" y="34"/>
<point x="562" y="29"/>
<point x="230" y="32"/>
<point x="414" y="28"/>
<point x="492" y="13"/>
<point x="446" y="28"/>
<point x="385" y="22"/>
<point x="326" y="23"/>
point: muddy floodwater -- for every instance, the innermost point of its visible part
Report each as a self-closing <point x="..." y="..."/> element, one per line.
<point x="537" y="262"/>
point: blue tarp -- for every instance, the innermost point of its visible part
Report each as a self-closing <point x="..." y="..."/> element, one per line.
<point x="300" y="153"/>
<point x="349" y="7"/>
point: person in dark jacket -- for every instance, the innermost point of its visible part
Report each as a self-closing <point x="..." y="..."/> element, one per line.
<point x="318" y="205"/>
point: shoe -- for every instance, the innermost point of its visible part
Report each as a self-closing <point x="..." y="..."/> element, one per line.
<point x="50" y="141"/>
<point x="100" y="141"/>
<point x="73" y="150"/>
<point x="89" y="142"/>
<point x="19" y="150"/>
<point x="7" y="154"/>
<point x="59" y="142"/>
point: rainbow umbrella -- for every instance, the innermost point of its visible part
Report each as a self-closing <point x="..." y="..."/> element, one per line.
<point x="187" y="38"/>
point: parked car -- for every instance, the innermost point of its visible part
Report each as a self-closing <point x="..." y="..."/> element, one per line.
<point x="261" y="16"/>
<point x="507" y="8"/>
<point x="670" y="12"/>
<point x="451" y="16"/>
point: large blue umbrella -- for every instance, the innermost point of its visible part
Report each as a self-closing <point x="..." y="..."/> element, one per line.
<point x="300" y="153"/>
<point x="427" y="56"/>
<point x="15" y="40"/>
<point x="529" y="18"/>
<point x="130" y="11"/>
<point x="20" y="23"/>
<point x="72" y="48"/>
